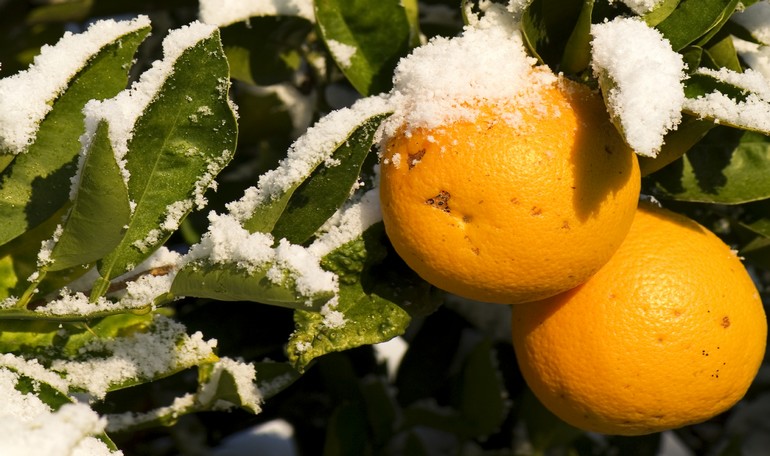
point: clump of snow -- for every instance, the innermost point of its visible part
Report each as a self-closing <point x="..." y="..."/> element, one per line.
<point x="343" y="53"/>
<point x="226" y="241"/>
<point x="753" y="112"/>
<point x="143" y="284"/>
<point x="333" y="318"/>
<point x="205" y="399"/>
<point x="642" y="80"/>
<point x="68" y="431"/>
<point x="755" y="19"/>
<point x="122" y="111"/>
<point x="225" y="12"/>
<point x="46" y="248"/>
<point x="642" y="6"/>
<point x="26" y="98"/>
<point x="443" y="80"/>
<point x="304" y="268"/>
<point x="275" y="437"/>
<point x="31" y="427"/>
<point x="517" y="7"/>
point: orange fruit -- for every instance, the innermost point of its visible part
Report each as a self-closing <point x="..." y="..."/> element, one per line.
<point x="670" y="332"/>
<point x="526" y="201"/>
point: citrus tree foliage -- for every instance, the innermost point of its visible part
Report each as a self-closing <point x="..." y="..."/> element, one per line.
<point x="189" y="204"/>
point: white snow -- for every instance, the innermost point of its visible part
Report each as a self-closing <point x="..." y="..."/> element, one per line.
<point x="31" y="427"/>
<point x="226" y="241"/>
<point x="68" y="431"/>
<point x="310" y="279"/>
<point x="225" y="12"/>
<point x="343" y="53"/>
<point x="391" y="353"/>
<point x="46" y="248"/>
<point x="440" y="81"/>
<point x="642" y="6"/>
<point x="644" y="93"/>
<point x="752" y="113"/>
<point x="26" y="98"/>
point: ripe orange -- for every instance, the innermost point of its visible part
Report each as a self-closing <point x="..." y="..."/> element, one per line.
<point x="670" y="332"/>
<point x="525" y="202"/>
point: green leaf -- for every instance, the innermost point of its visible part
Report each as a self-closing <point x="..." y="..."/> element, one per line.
<point x="577" y="53"/>
<point x="37" y="183"/>
<point x="228" y="282"/>
<point x="728" y="166"/>
<point x="8" y="277"/>
<point x="694" y="20"/>
<point x="412" y="9"/>
<point x="266" y="50"/>
<point x="264" y="217"/>
<point x="377" y="298"/>
<point x="661" y="11"/>
<point x="51" y="340"/>
<point x="346" y="431"/>
<point x="369" y="319"/>
<point x="482" y="400"/>
<point x="274" y="377"/>
<point x="382" y="411"/>
<point x="99" y="212"/>
<point x="22" y="255"/>
<point x="545" y="429"/>
<point x="676" y="143"/>
<point x="321" y="194"/>
<point x="185" y="136"/>
<point x="547" y="26"/>
<point x="723" y="55"/>
<point x="366" y="39"/>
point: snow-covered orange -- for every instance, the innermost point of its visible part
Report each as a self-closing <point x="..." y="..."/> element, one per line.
<point x="527" y="200"/>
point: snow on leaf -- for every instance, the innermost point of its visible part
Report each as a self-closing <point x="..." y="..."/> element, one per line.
<point x="106" y="364"/>
<point x="744" y="103"/>
<point x="176" y="124"/>
<point x="26" y="98"/>
<point x="225" y="12"/>
<point x="641" y="79"/>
